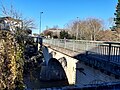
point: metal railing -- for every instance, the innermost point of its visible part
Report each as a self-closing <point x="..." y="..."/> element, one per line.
<point x="108" y="51"/>
<point x="74" y="45"/>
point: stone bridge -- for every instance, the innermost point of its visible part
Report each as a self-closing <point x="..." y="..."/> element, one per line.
<point x="77" y="72"/>
<point x="82" y="63"/>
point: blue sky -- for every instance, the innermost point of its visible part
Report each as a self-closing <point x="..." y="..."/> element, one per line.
<point x="61" y="12"/>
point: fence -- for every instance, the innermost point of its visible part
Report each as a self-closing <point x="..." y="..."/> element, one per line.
<point x="109" y="51"/>
<point x="99" y="54"/>
<point x="74" y="45"/>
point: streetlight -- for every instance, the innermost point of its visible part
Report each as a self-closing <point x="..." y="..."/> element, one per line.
<point x="40" y="22"/>
<point x="77" y="28"/>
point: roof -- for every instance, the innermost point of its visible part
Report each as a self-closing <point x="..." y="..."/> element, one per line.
<point x="9" y="18"/>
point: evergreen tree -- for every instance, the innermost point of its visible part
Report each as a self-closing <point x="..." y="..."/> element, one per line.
<point x="64" y="34"/>
<point x="117" y="20"/>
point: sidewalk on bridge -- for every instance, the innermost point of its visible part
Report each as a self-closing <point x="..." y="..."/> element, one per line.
<point x="65" y="51"/>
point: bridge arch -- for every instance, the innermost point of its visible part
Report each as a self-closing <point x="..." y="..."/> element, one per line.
<point x="63" y="62"/>
<point x="56" y="69"/>
<point x="67" y="63"/>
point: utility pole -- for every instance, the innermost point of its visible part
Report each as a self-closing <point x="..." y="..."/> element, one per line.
<point x="40" y="22"/>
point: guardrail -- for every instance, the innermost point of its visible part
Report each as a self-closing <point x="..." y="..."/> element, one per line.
<point x="109" y="51"/>
<point x="74" y="45"/>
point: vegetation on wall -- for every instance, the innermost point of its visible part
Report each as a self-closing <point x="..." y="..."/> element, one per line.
<point x="11" y="62"/>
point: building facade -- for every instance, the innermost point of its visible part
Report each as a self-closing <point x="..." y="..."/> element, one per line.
<point x="8" y="23"/>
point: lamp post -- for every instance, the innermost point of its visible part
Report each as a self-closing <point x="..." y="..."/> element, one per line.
<point x="40" y="22"/>
<point x="77" y="28"/>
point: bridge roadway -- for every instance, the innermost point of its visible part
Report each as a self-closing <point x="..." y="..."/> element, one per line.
<point x="95" y="63"/>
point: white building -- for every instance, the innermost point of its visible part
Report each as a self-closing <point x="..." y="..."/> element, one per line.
<point x="8" y="23"/>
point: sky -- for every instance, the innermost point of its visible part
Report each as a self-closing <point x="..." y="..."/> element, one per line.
<point x="61" y="12"/>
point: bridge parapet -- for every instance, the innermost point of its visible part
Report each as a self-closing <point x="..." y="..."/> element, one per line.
<point x="109" y="51"/>
<point x="74" y="45"/>
<point x="102" y="55"/>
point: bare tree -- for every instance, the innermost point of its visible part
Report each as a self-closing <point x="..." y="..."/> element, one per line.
<point x="82" y="29"/>
<point x="13" y="13"/>
<point x="28" y="24"/>
<point x="10" y="12"/>
<point x="111" y="22"/>
<point x="94" y="26"/>
<point x="87" y="29"/>
<point x="75" y="28"/>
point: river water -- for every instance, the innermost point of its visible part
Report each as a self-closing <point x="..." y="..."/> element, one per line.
<point x="34" y="83"/>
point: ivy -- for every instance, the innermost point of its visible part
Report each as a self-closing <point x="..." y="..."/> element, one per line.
<point x="11" y="62"/>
